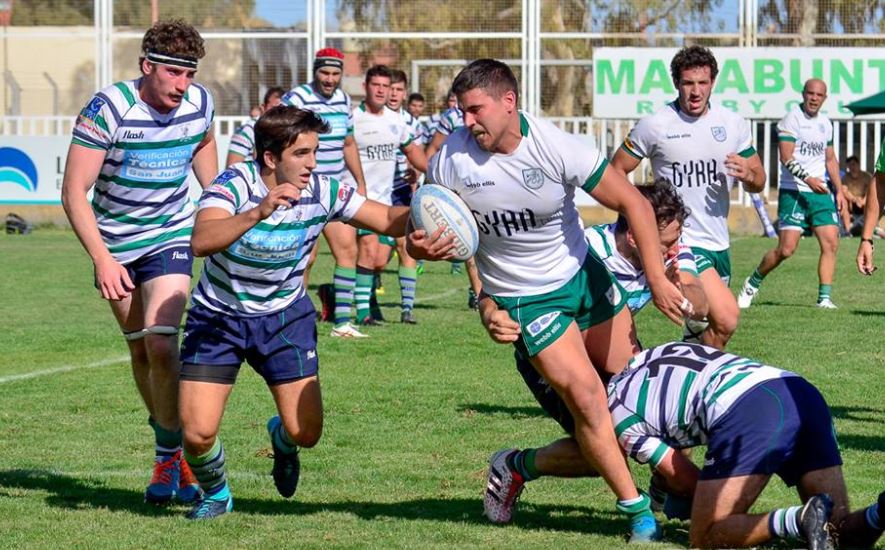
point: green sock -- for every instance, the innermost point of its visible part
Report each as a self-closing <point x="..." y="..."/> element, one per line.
<point x="823" y="292"/>
<point x="756" y="279"/>
<point x="634" y="507"/>
<point x="363" y="292"/>
<point x="209" y="469"/>
<point x="167" y="442"/>
<point x="524" y="463"/>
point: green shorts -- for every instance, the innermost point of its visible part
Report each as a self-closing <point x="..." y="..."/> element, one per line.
<point x="798" y="211"/>
<point x="591" y="297"/>
<point x="720" y="260"/>
<point x="383" y="239"/>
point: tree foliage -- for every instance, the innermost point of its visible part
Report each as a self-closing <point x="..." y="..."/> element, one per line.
<point x="231" y="14"/>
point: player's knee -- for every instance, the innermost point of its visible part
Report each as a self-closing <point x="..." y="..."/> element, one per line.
<point x="138" y="354"/>
<point x="305" y="433"/>
<point x="725" y="322"/>
<point x="197" y="441"/>
<point x="785" y="251"/>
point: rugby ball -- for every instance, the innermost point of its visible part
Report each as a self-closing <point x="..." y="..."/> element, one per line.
<point x="435" y="206"/>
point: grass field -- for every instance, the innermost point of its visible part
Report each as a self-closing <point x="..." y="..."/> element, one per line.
<point x="413" y="414"/>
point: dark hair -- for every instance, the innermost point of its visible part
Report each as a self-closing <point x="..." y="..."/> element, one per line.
<point x="377" y="70"/>
<point x="280" y="126"/>
<point x="691" y="57"/>
<point x="173" y="37"/>
<point x="397" y="76"/>
<point x="415" y="96"/>
<point x="852" y="158"/>
<point x="273" y="91"/>
<point x="665" y="201"/>
<point x="493" y="77"/>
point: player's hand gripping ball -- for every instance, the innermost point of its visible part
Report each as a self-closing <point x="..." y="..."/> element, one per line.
<point x="434" y="207"/>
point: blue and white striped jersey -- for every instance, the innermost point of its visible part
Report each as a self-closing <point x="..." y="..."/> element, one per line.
<point x="262" y="272"/>
<point x="242" y="143"/>
<point x="450" y="120"/>
<point x="670" y="396"/>
<point x="337" y="112"/>
<point x="601" y="239"/>
<point x="402" y="163"/>
<point x="140" y="198"/>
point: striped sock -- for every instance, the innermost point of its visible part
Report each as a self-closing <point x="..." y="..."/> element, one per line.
<point x="408" y="279"/>
<point x="344" y="280"/>
<point x="872" y="517"/>
<point x="166" y="442"/>
<point x="823" y="292"/>
<point x="210" y="471"/>
<point x="635" y="507"/>
<point x="363" y="291"/>
<point x="756" y="279"/>
<point x="524" y="463"/>
<point x="784" y="523"/>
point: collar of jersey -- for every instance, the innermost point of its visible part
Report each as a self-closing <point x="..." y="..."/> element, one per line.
<point x="523" y="125"/>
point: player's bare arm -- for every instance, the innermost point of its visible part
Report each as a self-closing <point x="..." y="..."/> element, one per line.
<point x="216" y="229"/>
<point x="435" y="144"/>
<point x="81" y="170"/>
<point x="786" y="149"/>
<point x="623" y="162"/>
<point x="380" y="218"/>
<point x="833" y="171"/>
<point x="233" y="158"/>
<point x="352" y="161"/>
<point x="693" y="291"/>
<point x="615" y="192"/>
<point x="747" y="170"/>
<point x="415" y="154"/>
<point x="679" y="472"/>
<point x="205" y="163"/>
<point x="497" y="322"/>
<point x="871" y="212"/>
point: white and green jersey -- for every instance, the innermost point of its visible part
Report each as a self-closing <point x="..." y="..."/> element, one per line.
<point x="531" y="240"/>
<point x="336" y="111"/>
<point x="379" y="138"/>
<point x="262" y="272"/>
<point x="402" y="163"/>
<point x="450" y="120"/>
<point x="242" y="143"/>
<point x="690" y="152"/>
<point x="140" y="198"/>
<point x="601" y="239"/>
<point x="670" y="396"/>
<point x="812" y="136"/>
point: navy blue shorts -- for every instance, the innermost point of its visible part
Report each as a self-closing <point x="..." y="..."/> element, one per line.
<point x="172" y="261"/>
<point x="281" y="347"/>
<point x="401" y="196"/>
<point x="782" y="426"/>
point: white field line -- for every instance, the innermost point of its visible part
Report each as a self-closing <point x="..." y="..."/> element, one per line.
<point x="65" y="368"/>
<point x="146" y="473"/>
<point x="421" y="299"/>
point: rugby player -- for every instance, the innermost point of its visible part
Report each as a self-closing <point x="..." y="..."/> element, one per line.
<point x="257" y="223"/>
<point x="703" y="149"/>
<point x="805" y="146"/>
<point x="872" y="212"/>
<point x="518" y="174"/>
<point x="242" y="143"/>
<point x="381" y="134"/>
<point x="134" y="144"/>
<point x="340" y="159"/>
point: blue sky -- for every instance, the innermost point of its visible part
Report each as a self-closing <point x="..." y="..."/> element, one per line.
<point x="282" y="13"/>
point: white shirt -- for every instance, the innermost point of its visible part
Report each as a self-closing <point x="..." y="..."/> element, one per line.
<point x="812" y="136"/>
<point x="379" y="138"/>
<point x="531" y="239"/>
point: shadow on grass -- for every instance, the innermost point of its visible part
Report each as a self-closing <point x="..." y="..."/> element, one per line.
<point x="867" y="313"/>
<point x="861" y="442"/>
<point x="77" y="494"/>
<point x="860" y="414"/>
<point x="515" y="412"/>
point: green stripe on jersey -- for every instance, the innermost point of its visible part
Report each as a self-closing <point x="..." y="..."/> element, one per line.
<point x="622" y="426"/>
<point x="683" y="397"/>
<point x="102" y="123"/>
<point x="658" y="455"/>
<point x="132" y="145"/>
<point x="183" y="232"/>
<point x="124" y="218"/>
<point x="630" y="152"/>
<point x="233" y="189"/>
<point x="595" y="177"/>
<point x="86" y="144"/>
<point x="642" y="398"/>
<point x="748" y="152"/>
<point x="127" y="94"/>
<point x="333" y="161"/>
<point x="316" y="220"/>
<point x="246" y="296"/>
<point x="125" y="182"/>
<point x="257" y="263"/>
<point x="783" y="137"/>
<point x="727" y="386"/>
<point x="333" y="194"/>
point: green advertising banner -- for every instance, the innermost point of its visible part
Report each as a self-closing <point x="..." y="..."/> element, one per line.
<point x="759" y="83"/>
